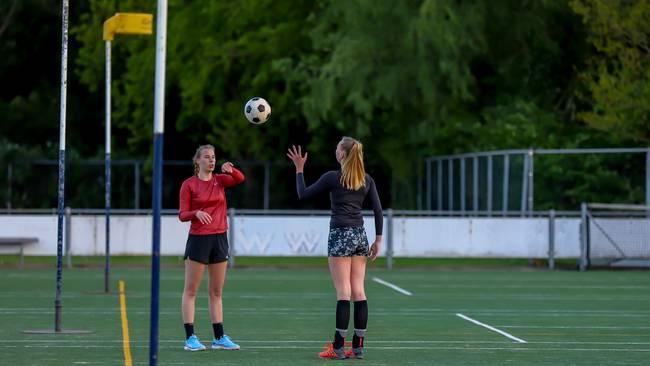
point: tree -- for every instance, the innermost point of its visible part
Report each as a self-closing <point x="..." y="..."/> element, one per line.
<point x="419" y="78"/>
<point x="219" y="54"/>
<point x="617" y="79"/>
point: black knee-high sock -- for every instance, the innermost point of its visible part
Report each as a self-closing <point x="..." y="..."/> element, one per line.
<point x="360" y="322"/>
<point x="189" y="329"/>
<point x="342" y="321"/>
<point x="218" y="330"/>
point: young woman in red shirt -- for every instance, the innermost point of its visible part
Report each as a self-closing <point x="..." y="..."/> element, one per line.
<point x="203" y="202"/>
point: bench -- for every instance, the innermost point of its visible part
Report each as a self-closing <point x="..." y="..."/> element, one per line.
<point x="17" y="242"/>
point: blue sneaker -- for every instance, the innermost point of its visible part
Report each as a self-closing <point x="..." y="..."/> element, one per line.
<point x="224" y="343"/>
<point x="193" y="344"/>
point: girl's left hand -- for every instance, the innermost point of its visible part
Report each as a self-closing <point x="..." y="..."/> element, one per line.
<point x="227" y="167"/>
<point x="374" y="250"/>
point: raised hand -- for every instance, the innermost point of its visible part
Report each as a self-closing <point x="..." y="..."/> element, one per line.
<point x="295" y="154"/>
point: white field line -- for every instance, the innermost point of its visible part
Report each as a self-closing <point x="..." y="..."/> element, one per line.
<point x="319" y="342"/>
<point x="505" y="334"/>
<point x="613" y="327"/>
<point x="394" y="287"/>
<point x="321" y="295"/>
<point x="423" y="348"/>
<point x="535" y="312"/>
<point x="420" y="312"/>
<point x="242" y="277"/>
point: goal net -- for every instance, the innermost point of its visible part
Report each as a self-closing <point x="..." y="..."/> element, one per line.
<point x="615" y="235"/>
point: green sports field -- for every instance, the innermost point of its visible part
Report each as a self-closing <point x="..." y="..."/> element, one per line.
<point x="285" y="316"/>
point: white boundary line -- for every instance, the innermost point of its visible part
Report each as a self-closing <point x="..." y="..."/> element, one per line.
<point x="482" y="311"/>
<point x="459" y="348"/>
<point x="570" y="327"/>
<point x="394" y="287"/>
<point x="506" y="334"/>
<point x="381" y="342"/>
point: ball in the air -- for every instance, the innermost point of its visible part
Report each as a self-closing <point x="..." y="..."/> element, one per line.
<point x="257" y="110"/>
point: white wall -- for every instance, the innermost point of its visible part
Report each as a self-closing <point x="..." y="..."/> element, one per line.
<point x="307" y="235"/>
<point x="484" y="237"/>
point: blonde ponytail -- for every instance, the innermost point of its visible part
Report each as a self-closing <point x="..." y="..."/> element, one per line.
<point x="353" y="175"/>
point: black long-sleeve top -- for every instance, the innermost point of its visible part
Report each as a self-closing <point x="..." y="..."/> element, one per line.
<point x="346" y="203"/>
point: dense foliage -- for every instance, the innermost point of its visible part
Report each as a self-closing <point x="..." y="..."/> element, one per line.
<point x="411" y="79"/>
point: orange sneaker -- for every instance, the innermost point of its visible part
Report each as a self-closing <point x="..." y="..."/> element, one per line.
<point x="333" y="353"/>
<point x="348" y="352"/>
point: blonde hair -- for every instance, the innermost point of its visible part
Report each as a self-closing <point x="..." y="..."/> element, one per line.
<point x="353" y="172"/>
<point x="197" y="156"/>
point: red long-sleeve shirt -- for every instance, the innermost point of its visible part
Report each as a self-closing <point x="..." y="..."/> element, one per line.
<point x="210" y="197"/>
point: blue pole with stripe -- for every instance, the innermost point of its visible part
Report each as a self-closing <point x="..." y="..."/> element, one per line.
<point x="61" y="186"/>
<point x="158" y="133"/>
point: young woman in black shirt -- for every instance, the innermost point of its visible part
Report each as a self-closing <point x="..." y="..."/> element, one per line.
<point x="347" y="244"/>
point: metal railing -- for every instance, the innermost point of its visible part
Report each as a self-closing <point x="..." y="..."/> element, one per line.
<point x="445" y="166"/>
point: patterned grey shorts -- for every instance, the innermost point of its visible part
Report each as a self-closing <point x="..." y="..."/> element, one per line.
<point x="347" y="242"/>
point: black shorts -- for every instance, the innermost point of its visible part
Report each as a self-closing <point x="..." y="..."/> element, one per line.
<point x="207" y="249"/>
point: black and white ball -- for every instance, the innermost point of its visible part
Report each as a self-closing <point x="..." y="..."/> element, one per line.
<point x="257" y="110"/>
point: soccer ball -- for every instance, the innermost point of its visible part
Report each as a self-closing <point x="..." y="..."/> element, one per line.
<point x="257" y="110"/>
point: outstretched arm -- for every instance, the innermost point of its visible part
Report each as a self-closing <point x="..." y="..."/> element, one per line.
<point x="323" y="184"/>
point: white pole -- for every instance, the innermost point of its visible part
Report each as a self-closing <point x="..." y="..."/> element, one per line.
<point x="108" y="97"/>
<point x="107" y="163"/>
<point x="161" y="52"/>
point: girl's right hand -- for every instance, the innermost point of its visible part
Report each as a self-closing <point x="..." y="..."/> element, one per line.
<point x="203" y="216"/>
<point x="298" y="159"/>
